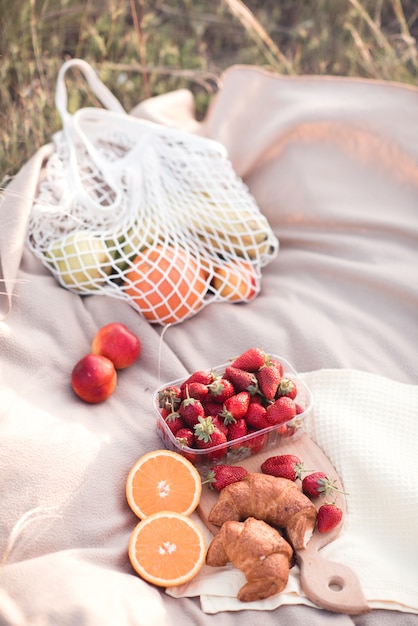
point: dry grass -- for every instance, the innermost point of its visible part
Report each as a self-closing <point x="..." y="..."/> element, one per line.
<point x="142" y="48"/>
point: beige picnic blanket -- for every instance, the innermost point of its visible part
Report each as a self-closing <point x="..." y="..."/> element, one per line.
<point x="333" y="164"/>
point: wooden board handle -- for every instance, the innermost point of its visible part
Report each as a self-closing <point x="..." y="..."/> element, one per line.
<point x="331" y="585"/>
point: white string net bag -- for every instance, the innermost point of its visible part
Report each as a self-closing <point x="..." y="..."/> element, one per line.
<point x="151" y="214"/>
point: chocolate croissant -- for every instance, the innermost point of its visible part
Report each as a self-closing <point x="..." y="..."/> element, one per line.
<point x="259" y="551"/>
<point x="277" y="501"/>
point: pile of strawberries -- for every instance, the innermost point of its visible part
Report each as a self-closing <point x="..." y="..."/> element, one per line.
<point x="315" y="484"/>
<point x="209" y="409"/>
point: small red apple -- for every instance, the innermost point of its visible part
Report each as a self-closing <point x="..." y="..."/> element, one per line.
<point x="117" y="343"/>
<point x="93" y="378"/>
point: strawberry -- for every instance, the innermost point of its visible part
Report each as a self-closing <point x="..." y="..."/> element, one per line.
<point x="200" y="376"/>
<point x="235" y="407"/>
<point x="173" y="421"/>
<point x="256" y="416"/>
<point x="170" y="395"/>
<point x="212" y="408"/>
<point x="221" y="389"/>
<point x="318" y="484"/>
<point x="256" y="443"/>
<point x="219" y="423"/>
<point x="221" y="476"/>
<point x="166" y="410"/>
<point x="190" y="410"/>
<point x="207" y="436"/>
<point x="286" y="387"/>
<point x="251" y="360"/>
<point x="282" y="410"/>
<point x="284" y="466"/>
<point x="268" y="378"/>
<point x="241" y="379"/>
<point x="278" y="364"/>
<point x="237" y="429"/>
<point x="285" y="430"/>
<point x="196" y="390"/>
<point x="185" y="437"/>
<point x="329" y="516"/>
<point x="256" y="400"/>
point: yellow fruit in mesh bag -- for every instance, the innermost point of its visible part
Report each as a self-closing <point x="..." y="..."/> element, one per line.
<point x="139" y="236"/>
<point x="228" y="226"/>
<point x="166" y="283"/>
<point x="240" y="239"/>
<point x="236" y="281"/>
<point x="81" y="261"/>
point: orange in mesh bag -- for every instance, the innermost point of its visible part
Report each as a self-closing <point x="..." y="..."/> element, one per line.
<point x="151" y="214"/>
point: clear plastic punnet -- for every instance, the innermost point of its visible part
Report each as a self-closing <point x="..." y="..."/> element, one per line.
<point x="233" y="452"/>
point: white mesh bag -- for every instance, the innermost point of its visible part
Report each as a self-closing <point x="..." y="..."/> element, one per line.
<point x="147" y="213"/>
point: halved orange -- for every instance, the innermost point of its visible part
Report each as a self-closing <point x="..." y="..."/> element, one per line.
<point x="163" y="480"/>
<point x="167" y="549"/>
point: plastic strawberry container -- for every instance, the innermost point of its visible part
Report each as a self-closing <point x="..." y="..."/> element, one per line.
<point x="236" y="450"/>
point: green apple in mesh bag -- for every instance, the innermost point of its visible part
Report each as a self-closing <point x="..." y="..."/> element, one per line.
<point x="139" y="236"/>
<point x="81" y="260"/>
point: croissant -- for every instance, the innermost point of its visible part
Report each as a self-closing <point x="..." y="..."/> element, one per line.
<point x="259" y="551"/>
<point x="277" y="501"/>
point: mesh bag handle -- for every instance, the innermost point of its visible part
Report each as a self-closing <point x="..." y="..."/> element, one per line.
<point x="87" y="127"/>
<point x="100" y="90"/>
<point x="75" y="137"/>
<point x="147" y="213"/>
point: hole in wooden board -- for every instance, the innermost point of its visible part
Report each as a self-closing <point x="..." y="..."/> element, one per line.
<point x="336" y="584"/>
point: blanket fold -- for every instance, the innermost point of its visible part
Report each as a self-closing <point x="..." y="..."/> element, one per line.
<point x="15" y="206"/>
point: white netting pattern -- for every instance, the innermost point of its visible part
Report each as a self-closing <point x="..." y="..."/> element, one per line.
<point x="146" y="213"/>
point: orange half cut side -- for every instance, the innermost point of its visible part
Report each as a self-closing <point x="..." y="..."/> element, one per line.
<point x="167" y="549"/>
<point x="163" y="480"/>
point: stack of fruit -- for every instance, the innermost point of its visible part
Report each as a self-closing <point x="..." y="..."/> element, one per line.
<point x="316" y="485"/>
<point x="167" y="271"/>
<point x="114" y="347"/>
<point x="233" y="410"/>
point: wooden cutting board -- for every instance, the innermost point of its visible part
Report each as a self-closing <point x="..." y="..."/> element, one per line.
<point x="329" y="584"/>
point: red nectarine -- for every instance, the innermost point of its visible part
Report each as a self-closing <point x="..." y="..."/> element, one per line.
<point x="116" y="342"/>
<point x="93" y="378"/>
